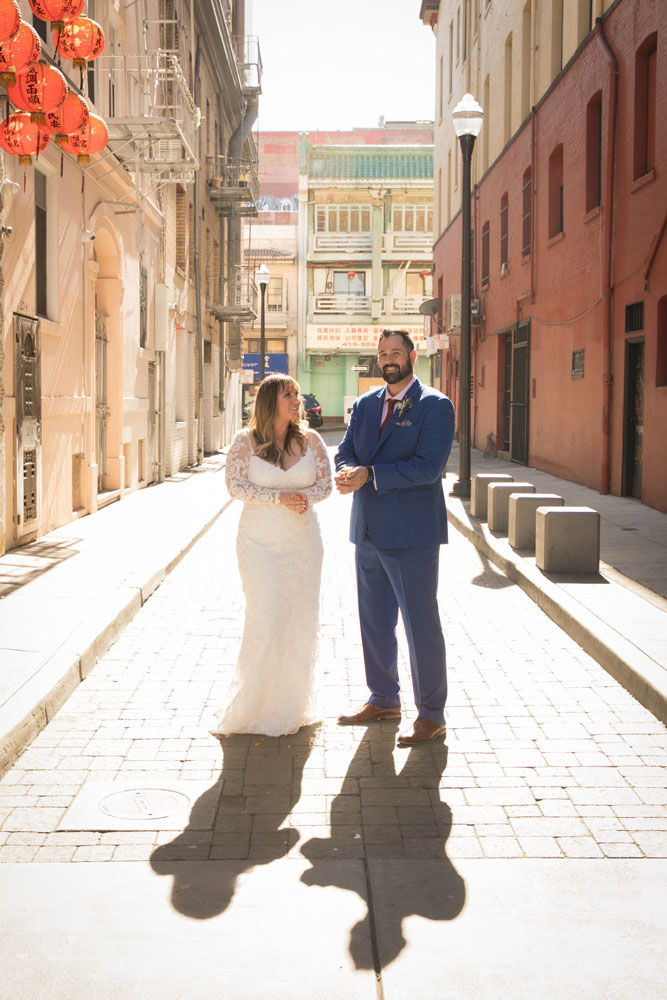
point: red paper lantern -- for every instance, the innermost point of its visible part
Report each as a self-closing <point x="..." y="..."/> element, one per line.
<point x="87" y="141"/>
<point x="57" y="11"/>
<point x="351" y="274"/>
<point x="69" y="117"/>
<point x="20" y="54"/>
<point x="10" y="19"/>
<point x="41" y="89"/>
<point x="81" y="40"/>
<point x="22" y="137"/>
<point x="424" y="273"/>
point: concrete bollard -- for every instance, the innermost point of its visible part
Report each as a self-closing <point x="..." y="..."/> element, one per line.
<point x="498" y="502"/>
<point x="478" y="491"/>
<point x="567" y="539"/>
<point x="521" y="517"/>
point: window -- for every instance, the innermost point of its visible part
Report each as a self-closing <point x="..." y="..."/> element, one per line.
<point x="41" y="244"/>
<point x="486" y="244"/>
<point x="458" y="34"/>
<point x="181" y="229"/>
<point x="661" y="360"/>
<point x="645" y="92"/>
<point x="634" y="317"/>
<point x="274" y="295"/>
<point x="578" y="364"/>
<point x="584" y="18"/>
<point x="465" y="30"/>
<point x="525" y="61"/>
<point x="451" y="55"/>
<point x="143" y="308"/>
<point x="556" y="221"/>
<point x="526" y="197"/>
<point x="113" y="45"/>
<point x="507" y="131"/>
<point x="594" y="152"/>
<point x="349" y="283"/>
<point x="485" y="131"/>
<point x="556" y="37"/>
<point x="412" y="219"/>
<point x="274" y="345"/>
<point x="343" y="219"/>
<point x="94" y="16"/>
<point x="441" y="89"/>
<point x="504" y="233"/>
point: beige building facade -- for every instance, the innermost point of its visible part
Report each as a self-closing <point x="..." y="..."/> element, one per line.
<point x="506" y="54"/>
<point x="121" y="291"/>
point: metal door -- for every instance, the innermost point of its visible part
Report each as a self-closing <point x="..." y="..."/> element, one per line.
<point x="101" y="412"/>
<point x="633" y="419"/>
<point x="519" y="401"/>
<point x="151" y="475"/>
<point x="28" y="394"/>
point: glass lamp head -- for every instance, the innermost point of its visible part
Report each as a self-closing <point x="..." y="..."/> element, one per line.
<point x="467" y="116"/>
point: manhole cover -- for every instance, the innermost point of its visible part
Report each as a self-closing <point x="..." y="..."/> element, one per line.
<point x="144" y="803"/>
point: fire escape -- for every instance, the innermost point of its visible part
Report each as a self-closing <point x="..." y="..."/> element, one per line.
<point x="152" y="116"/>
<point x="233" y="187"/>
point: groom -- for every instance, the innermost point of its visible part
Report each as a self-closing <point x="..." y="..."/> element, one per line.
<point x="392" y="458"/>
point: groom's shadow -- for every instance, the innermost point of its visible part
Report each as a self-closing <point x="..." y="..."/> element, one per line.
<point x="258" y="787"/>
<point x="403" y="821"/>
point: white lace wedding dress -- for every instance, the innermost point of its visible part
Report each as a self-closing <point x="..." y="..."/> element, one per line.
<point x="275" y="690"/>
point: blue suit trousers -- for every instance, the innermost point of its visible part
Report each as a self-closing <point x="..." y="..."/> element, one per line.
<point x="389" y="579"/>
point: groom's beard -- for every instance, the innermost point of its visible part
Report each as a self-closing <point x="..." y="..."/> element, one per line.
<point x="396" y="373"/>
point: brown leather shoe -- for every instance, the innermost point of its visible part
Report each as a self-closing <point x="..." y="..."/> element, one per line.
<point x="423" y="731"/>
<point x="369" y="713"/>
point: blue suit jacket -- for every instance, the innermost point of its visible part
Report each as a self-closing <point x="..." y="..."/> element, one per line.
<point x="406" y="507"/>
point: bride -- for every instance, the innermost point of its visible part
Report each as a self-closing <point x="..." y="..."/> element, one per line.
<point x="279" y="469"/>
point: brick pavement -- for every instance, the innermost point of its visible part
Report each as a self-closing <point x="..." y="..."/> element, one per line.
<point x="546" y="755"/>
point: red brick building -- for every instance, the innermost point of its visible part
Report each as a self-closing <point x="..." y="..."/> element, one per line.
<point x="569" y="365"/>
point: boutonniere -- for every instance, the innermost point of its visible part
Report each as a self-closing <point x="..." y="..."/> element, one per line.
<point x="404" y="405"/>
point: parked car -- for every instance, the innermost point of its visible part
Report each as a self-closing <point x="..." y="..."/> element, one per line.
<point x="313" y="410"/>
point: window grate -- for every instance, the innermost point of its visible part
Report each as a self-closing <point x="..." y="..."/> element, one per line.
<point x="634" y="317"/>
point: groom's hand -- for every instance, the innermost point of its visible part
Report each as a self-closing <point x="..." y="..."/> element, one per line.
<point x="352" y="479"/>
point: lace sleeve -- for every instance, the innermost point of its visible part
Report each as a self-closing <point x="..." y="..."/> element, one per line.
<point x="236" y="474"/>
<point x="322" y="487"/>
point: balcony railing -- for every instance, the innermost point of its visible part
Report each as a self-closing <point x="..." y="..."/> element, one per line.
<point x="348" y="304"/>
<point x="242" y="297"/>
<point x="249" y="61"/>
<point x="152" y="117"/>
<point x="403" y="304"/>
<point x="421" y="243"/>
<point x="343" y="242"/>
<point x="233" y="184"/>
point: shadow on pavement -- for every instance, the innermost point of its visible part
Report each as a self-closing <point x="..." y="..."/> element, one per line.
<point x="248" y="828"/>
<point x="26" y="563"/>
<point x="405" y="821"/>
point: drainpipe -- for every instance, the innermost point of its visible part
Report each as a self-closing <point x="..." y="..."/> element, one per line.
<point x="607" y="241"/>
<point x="197" y="263"/>
<point x="533" y="198"/>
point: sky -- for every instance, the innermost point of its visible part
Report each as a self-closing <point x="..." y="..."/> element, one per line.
<point x="342" y="64"/>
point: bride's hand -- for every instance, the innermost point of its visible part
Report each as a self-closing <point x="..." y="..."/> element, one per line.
<point x="295" y="501"/>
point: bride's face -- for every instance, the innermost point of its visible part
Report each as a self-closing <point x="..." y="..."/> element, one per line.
<point x="289" y="405"/>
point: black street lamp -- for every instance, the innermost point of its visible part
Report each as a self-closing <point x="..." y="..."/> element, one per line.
<point x="467" y="117"/>
<point x="263" y="275"/>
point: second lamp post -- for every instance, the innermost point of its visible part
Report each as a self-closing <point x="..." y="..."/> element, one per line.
<point x="263" y="275"/>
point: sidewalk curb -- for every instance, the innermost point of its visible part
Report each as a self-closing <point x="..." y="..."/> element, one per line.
<point x="30" y="710"/>
<point x="641" y="676"/>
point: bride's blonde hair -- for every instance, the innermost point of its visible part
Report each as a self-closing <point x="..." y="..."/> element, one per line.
<point x="264" y="417"/>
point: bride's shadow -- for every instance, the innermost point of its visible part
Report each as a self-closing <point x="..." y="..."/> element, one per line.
<point x="408" y="824"/>
<point x="258" y="787"/>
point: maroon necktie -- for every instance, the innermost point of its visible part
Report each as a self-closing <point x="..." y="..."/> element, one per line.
<point x="391" y="403"/>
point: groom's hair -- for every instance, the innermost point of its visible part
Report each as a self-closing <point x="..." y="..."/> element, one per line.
<point x="403" y="334"/>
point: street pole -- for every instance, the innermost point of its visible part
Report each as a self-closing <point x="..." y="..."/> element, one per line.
<point x="467" y="116"/>
<point x="462" y="487"/>
<point x="263" y="275"/>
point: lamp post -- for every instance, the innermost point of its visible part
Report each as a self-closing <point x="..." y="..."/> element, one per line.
<point x="263" y="275"/>
<point x="467" y="117"/>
